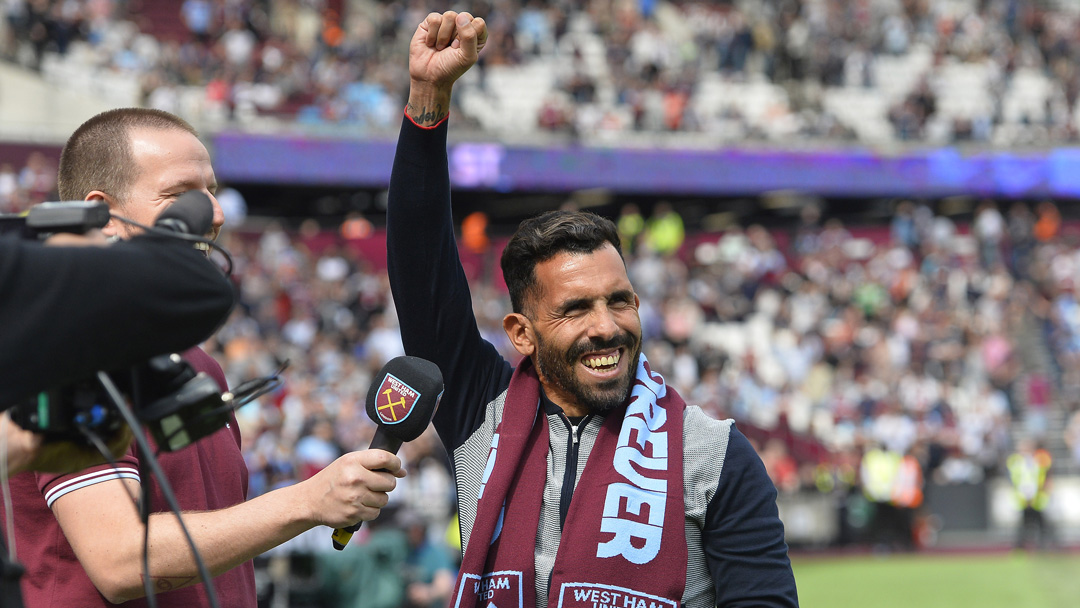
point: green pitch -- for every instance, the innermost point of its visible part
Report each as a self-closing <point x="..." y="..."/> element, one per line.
<point x="1017" y="580"/>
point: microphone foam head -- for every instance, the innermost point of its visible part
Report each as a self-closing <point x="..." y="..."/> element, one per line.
<point x="404" y="396"/>
<point x="194" y="209"/>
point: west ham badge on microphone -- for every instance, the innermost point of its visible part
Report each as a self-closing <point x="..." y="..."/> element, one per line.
<point x="395" y="400"/>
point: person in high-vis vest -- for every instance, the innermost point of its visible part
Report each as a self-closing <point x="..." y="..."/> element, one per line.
<point x="1029" y="469"/>
<point x="893" y="482"/>
<point x="907" y="497"/>
<point x="877" y="471"/>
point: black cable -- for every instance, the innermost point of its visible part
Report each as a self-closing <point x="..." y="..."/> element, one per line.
<point x="253" y="389"/>
<point x="243" y="395"/>
<point x="163" y="482"/>
<point x="142" y="505"/>
<point x="144" y="516"/>
<point x="99" y="443"/>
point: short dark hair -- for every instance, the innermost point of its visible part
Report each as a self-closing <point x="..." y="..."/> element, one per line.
<point x="541" y="238"/>
<point x="98" y="154"/>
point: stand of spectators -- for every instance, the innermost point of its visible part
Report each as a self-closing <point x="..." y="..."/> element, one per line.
<point x="913" y="336"/>
<point x="943" y="71"/>
<point x="937" y="340"/>
<point x="32" y="183"/>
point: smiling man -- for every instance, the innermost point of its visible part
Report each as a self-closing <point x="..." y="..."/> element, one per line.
<point x="582" y="479"/>
<point x="575" y="311"/>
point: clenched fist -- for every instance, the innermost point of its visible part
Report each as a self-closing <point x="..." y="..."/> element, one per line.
<point x="443" y="48"/>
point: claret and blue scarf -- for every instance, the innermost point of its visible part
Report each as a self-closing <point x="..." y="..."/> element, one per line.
<point x="624" y="542"/>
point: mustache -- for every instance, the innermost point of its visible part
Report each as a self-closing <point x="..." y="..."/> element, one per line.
<point x="593" y="344"/>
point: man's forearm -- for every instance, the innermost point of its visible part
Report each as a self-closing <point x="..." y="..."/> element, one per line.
<point x="224" y="538"/>
<point x="107" y="537"/>
<point x="428" y="104"/>
<point x="252" y="528"/>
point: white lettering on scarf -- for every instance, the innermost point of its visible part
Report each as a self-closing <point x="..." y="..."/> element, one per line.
<point x="492" y="453"/>
<point x="649" y="451"/>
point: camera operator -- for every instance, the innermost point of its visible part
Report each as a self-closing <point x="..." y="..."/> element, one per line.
<point x="56" y="298"/>
<point x="63" y="303"/>
<point x="80" y="536"/>
<point x="70" y="311"/>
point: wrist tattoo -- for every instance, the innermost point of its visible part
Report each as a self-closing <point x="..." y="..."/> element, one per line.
<point x="425" y="116"/>
<point x="168" y="583"/>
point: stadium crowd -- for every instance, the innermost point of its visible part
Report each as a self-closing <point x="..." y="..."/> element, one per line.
<point x="32" y="182"/>
<point x="926" y="337"/>
<point x="875" y="71"/>
<point x="942" y="339"/>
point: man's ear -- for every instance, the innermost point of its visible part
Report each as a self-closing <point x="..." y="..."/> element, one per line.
<point x="520" y="331"/>
<point x="113" y="228"/>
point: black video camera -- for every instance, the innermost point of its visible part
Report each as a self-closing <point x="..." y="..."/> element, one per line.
<point x="177" y="405"/>
<point x="46" y="219"/>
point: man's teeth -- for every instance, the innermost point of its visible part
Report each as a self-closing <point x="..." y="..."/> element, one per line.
<point x="602" y="361"/>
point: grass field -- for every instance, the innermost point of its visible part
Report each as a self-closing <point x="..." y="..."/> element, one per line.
<point x="999" y="580"/>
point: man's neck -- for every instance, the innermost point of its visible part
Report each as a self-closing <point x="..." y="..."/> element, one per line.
<point x="550" y="407"/>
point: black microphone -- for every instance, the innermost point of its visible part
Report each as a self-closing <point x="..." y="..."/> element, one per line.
<point x="191" y="213"/>
<point x="402" y="400"/>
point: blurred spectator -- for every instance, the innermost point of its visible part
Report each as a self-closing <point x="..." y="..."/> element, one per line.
<point x="630" y="224"/>
<point x="1029" y="469"/>
<point x="474" y="232"/>
<point x="1021" y="233"/>
<point x="989" y="231"/>
<point x="664" y="232"/>
<point x="782" y="468"/>
<point x="1048" y="221"/>
<point x="317" y="448"/>
<point x="9" y="189"/>
<point x="431" y="567"/>
<point x="233" y="205"/>
<point x="38" y="178"/>
<point x="198" y="16"/>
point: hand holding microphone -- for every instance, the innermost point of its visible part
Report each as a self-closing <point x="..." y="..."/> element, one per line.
<point x="402" y="400"/>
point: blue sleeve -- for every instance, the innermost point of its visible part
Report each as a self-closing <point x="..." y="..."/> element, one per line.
<point x="430" y="290"/>
<point x="743" y="535"/>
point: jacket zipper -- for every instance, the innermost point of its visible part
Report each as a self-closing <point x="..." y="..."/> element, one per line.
<point x="570" y="471"/>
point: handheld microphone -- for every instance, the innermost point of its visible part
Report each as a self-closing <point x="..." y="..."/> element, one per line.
<point x="192" y="213"/>
<point x="401" y="401"/>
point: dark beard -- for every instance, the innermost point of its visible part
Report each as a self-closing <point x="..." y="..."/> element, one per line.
<point x="596" y="399"/>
